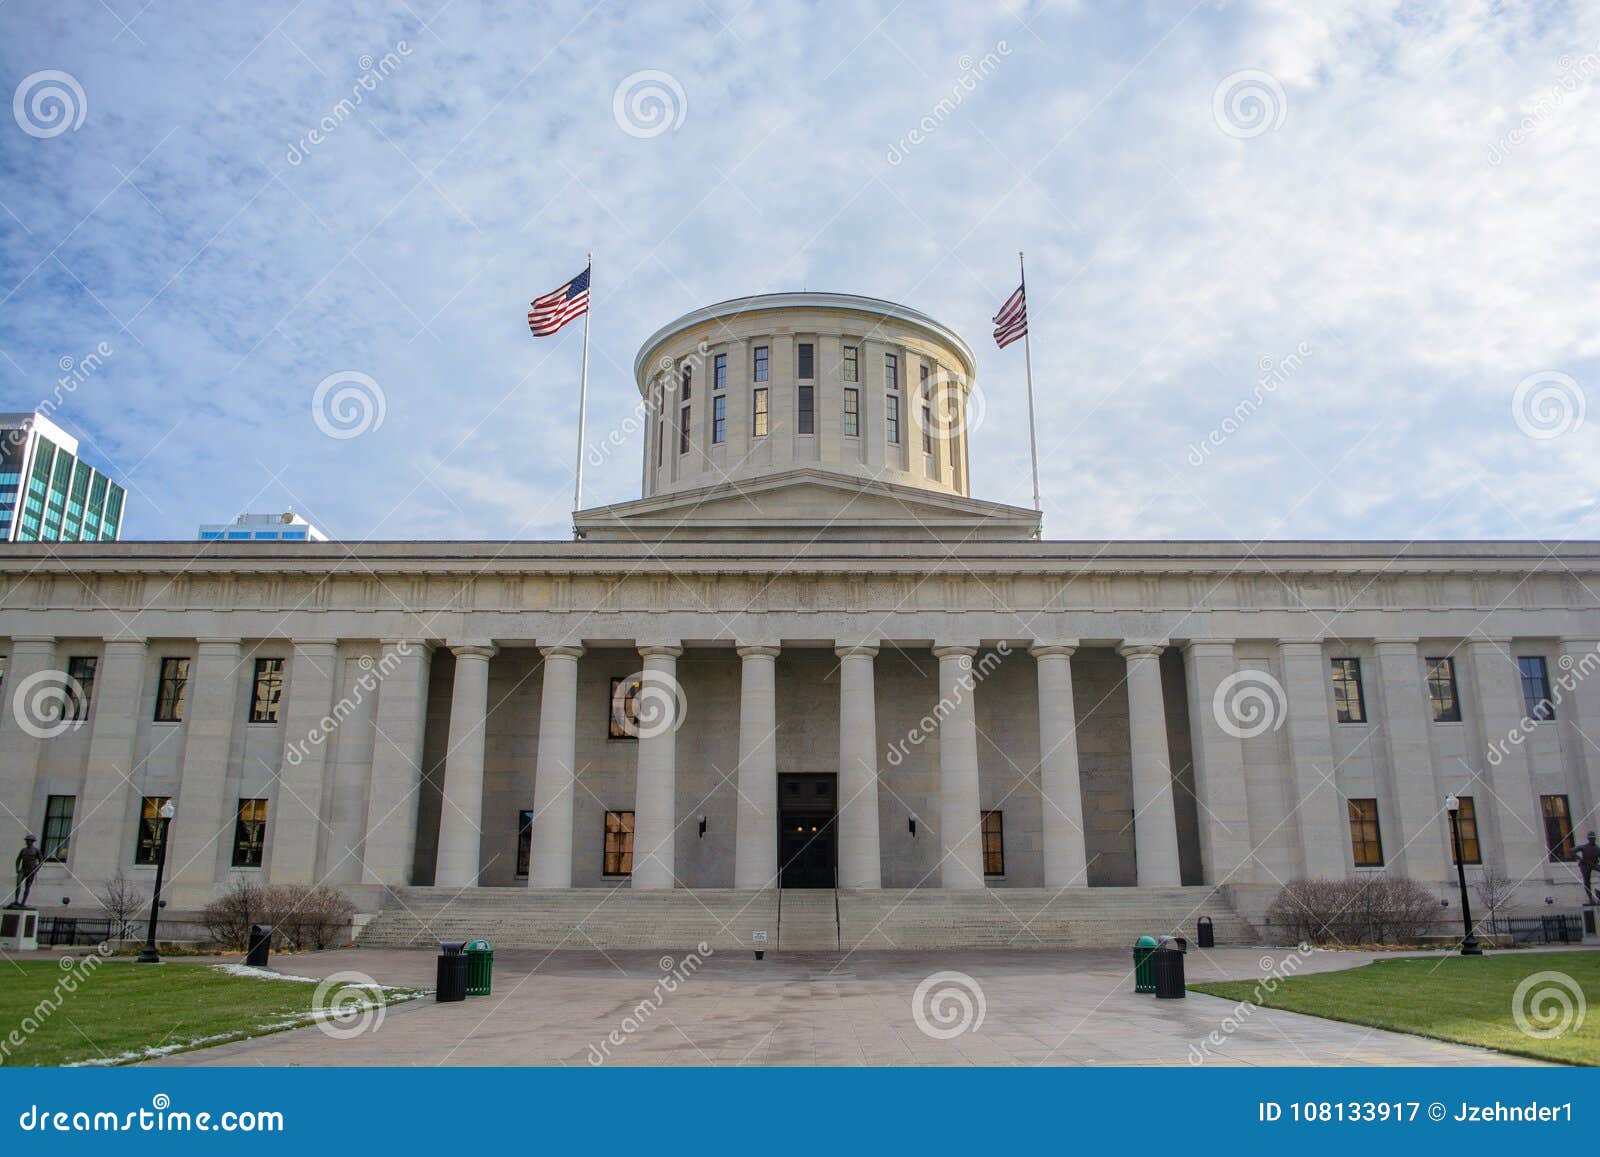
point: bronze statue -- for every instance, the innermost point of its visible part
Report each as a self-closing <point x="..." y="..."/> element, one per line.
<point x="28" y="861"/>
<point x="1588" y="857"/>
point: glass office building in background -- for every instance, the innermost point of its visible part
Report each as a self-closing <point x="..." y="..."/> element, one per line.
<point x="48" y="493"/>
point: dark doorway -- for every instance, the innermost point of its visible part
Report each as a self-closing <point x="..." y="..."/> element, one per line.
<point x="806" y="840"/>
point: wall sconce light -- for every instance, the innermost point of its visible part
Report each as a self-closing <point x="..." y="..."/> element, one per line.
<point x="912" y="824"/>
<point x="702" y="827"/>
<point x="1549" y="899"/>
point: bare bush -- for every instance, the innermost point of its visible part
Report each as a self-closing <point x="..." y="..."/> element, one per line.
<point x="122" y="902"/>
<point x="1495" y="892"/>
<point x="1370" y="909"/>
<point x="302" y="916"/>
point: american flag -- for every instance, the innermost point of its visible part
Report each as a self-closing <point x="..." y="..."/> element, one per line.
<point x="1012" y="320"/>
<point x="552" y="311"/>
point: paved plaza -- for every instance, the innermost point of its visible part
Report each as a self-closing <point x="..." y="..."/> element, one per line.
<point x="1041" y="1007"/>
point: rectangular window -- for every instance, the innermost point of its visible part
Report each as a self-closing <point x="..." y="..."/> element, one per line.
<point x="250" y="833"/>
<point x="173" y="692"/>
<point x="683" y="430"/>
<point x="619" y="844"/>
<point x="1466" y="821"/>
<point x="922" y="380"/>
<point x="807" y="358"/>
<point x="524" y="841"/>
<point x="80" y="687"/>
<point x="661" y="440"/>
<point x="719" y="372"/>
<point x="686" y="386"/>
<point x="852" y="413"/>
<point x="994" y="845"/>
<point x="758" y="414"/>
<point x="808" y="413"/>
<point x="57" y="827"/>
<point x="1365" y="840"/>
<point x="891" y="372"/>
<point x="1557" y="827"/>
<point x="719" y="419"/>
<point x="1442" y="695"/>
<point x="927" y="430"/>
<point x="1348" y="704"/>
<point x="266" y="690"/>
<point x="850" y="370"/>
<point x="891" y="419"/>
<point x="624" y="710"/>
<point x="758" y="372"/>
<point x="1536" y="688"/>
<point x="147" y="840"/>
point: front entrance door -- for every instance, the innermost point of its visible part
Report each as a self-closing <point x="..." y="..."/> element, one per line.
<point x="806" y="838"/>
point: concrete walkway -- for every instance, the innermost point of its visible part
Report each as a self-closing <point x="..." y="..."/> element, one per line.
<point x="1059" y="1008"/>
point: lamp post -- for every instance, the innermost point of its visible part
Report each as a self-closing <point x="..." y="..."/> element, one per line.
<point x="1469" y="942"/>
<point x="148" y="954"/>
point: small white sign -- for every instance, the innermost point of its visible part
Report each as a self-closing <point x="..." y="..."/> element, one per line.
<point x="760" y="937"/>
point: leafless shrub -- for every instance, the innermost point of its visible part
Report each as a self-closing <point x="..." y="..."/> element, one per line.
<point x="122" y="901"/>
<point x="1372" y="909"/>
<point x="302" y="916"/>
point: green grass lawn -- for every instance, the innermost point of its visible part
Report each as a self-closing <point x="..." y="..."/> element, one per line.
<point x="1454" y="998"/>
<point x="121" y="1008"/>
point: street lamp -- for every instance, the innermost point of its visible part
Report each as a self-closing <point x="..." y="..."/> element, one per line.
<point x="1469" y="942"/>
<point x="148" y="954"/>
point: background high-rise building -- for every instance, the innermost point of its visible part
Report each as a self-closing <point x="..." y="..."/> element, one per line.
<point x="48" y="493"/>
<point x="285" y="527"/>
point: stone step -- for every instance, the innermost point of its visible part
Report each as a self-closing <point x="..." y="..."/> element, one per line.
<point x="808" y="920"/>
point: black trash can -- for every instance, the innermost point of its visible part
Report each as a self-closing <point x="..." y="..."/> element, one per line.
<point x="451" y="980"/>
<point x="1169" y="967"/>
<point x="1205" y="937"/>
<point x="260" y="945"/>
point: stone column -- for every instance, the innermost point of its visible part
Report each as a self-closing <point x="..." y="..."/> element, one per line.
<point x="389" y="846"/>
<point x="960" y="826"/>
<point x="655" y="805"/>
<point x="1511" y="798"/>
<point x="1420" y="838"/>
<point x="30" y="715"/>
<point x="296" y="819"/>
<point x="1226" y="705"/>
<point x="1578" y="680"/>
<point x="550" y="862"/>
<point x="1155" y="823"/>
<point x="201" y="832"/>
<point x="1060" y="789"/>
<point x="1320" y="813"/>
<point x="755" y="853"/>
<point x="860" y="862"/>
<point x="104" y="817"/>
<point x="461" y="813"/>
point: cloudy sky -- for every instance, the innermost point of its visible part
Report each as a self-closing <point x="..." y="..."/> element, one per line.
<point x="1296" y="271"/>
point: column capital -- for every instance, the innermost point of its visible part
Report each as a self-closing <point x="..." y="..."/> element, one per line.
<point x="217" y="645"/>
<point x="954" y="650"/>
<point x="127" y="645"/>
<point x="398" y="642"/>
<point x="1397" y="641"/>
<point x="1057" y="649"/>
<point x="1305" y="644"/>
<point x="314" y="644"/>
<point x="1199" y="645"/>
<point x="660" y="650"/>
<point x="856" y="650"/>
<point x="1498" y="642"/>
<point x="562" y="651"/>
<point x="1141" y="648"/>
<point x="757" y="650"/>
<point x="484" y="651"/>
<point x="34" y="642"/>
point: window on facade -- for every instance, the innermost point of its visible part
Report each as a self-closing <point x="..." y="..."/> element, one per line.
<point x="891" y="372"/>
<point x="250" y="833"/>
<point x="927" y="430"/>
<point x="686" y="382"/>
<point x="1442" y="695"/>
<point x="80" y="687"/>
<point x="719" y="372"/>
<point x="806" y="357"/>
<point x="173" y="692"/>
<point x="1466" y="821"/>
<point x="147" y="840"/>
<point x="524" y="841"/>
<point x="850" y="369"/>
<point x="1348" y="704"/>
<point x="891" y="419"/>
<point x="57" y="827"/>
<point x="1365" y="840"/>
<point x="852" y="413"/>
<point x="758" y="372"/>
<point x="807" y="409"/>
<point x="1557" y="827"/>
<point x="994" y="845"/>
<point x="619" y="844"/>
<point x="719" y="419"/>
<point x="683" y="429"/>
<point x="922" y="380"/>
<point x="623" y="711"/>
<point x="758" y="414"/>
<point x="1536" y="688"/>
<point x="661" y="440"/>
<point x="266" y="691"/>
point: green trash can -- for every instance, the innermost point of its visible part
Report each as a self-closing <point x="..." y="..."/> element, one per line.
<point x="1144" y="965"/>
<point x="480" y="967"/>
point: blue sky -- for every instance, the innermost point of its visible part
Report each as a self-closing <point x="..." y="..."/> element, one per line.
<point x="1296" y="271"/>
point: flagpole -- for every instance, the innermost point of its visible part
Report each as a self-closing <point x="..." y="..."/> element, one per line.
<point x="583" y="390"/>
<point x="1027" y="361"/>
